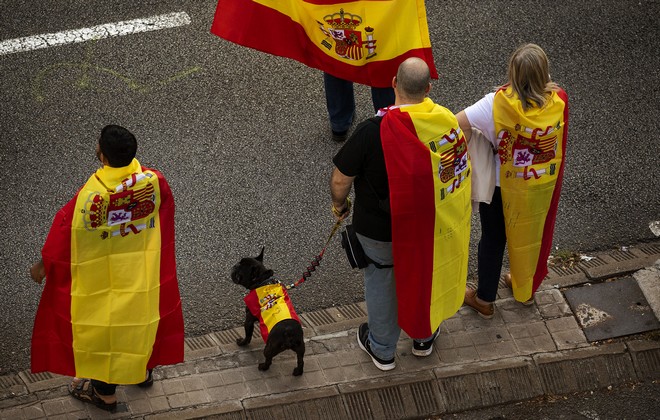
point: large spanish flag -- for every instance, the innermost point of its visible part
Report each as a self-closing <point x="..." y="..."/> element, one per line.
<point x="532" y="151"/>
<point x="110" y="308"/>
<point x="363" y="41"/>
<point x="429" y="179"/>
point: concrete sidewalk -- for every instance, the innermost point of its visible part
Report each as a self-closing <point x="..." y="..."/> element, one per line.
<point x="522" y="353"/>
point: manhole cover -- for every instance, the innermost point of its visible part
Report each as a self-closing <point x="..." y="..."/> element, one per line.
<point x="611" y="309"/>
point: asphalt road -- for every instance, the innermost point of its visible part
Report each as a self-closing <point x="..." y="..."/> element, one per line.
<point x="243" y="137"/>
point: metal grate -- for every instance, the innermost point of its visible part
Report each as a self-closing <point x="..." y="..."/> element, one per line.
<point x="650" y="249"/>
<point x="596" y="262"/>
<point x="7" y="381"/>
<point x="37" y="377"/>
<point x="358" y="407"/>
<point x="228" y="336"/>
<point x="392" y="402"/>
<point x="620" y="256"/>
<point x="424" y="397"/>
<point x="352" y="311"/>
<point x="318" y="318"/>
<point x="564" y="271"/>
<point x="648" y="364"/>
<point x="198" y="343"/>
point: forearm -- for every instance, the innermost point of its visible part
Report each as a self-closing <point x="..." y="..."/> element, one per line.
<point x="340" y="187"/>
<point x="464" y="123"/>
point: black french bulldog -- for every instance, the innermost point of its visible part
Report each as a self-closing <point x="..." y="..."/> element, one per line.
<point x="268" y="303"/>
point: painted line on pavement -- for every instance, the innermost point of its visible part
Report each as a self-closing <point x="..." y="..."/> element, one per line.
<point x="127" y="27"/>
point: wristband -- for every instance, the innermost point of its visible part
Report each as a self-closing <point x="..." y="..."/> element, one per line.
<point x="345" y="210"/>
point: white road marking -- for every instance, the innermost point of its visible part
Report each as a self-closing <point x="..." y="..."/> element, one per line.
<point x="127" y="27"/>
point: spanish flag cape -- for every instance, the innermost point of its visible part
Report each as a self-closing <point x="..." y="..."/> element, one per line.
<point x="532" y="150"/>
<point x="363" y="41"/>
<point x="110" y="308"/>
<point x="271" y="304"/>
<point x="429" y="179"/>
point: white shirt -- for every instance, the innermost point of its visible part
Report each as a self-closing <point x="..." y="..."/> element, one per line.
<point x="480" y="116"/>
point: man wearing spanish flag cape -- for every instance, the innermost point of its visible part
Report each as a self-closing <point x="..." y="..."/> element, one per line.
<point x="411" y="214"/>
<point x="110" y="310"/>
<point x="526" y="121"/>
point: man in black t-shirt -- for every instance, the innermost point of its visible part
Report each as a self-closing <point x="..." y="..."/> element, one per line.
<point x="361" y="162"/>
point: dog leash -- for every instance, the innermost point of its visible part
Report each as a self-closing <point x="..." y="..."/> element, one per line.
<point x="317" y="259"/>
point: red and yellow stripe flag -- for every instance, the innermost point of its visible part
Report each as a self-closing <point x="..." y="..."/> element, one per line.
<point x="363" y="41"/>
<point x="110" y="308"/>
<point x="271" y="304"/>
<point x="429" y="179"/>
<point x="532" y="150"/>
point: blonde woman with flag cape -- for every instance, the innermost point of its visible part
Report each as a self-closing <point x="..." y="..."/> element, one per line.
<point x="110" y="311"/>
<point x="526" y="121"/>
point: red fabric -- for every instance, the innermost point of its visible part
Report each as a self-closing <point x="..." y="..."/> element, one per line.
<point x="414" y="203"/>
<point x="549" y="227"/>
<point x="168" y="346"/>
<point x="52" y="336"/>
<point x="275" y="33"/>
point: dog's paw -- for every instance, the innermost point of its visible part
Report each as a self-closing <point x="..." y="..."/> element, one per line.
<point x="297" y="371"/>
<point x="263" y="366"/>
<point x="242" y="341"/>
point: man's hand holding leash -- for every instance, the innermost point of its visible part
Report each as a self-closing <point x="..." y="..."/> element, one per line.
<point x="340" y="186"/>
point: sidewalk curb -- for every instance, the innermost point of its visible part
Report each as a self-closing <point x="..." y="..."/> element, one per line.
<point x="543" y="352"/>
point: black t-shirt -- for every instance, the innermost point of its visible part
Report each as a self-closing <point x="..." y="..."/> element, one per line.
<point x="362" y="157"/>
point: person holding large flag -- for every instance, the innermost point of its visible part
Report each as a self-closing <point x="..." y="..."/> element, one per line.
<point x="526" y="121"/>
<point x="361" y="41"/>
<point x="411" y="172"/>
<point x="110" y="310"/>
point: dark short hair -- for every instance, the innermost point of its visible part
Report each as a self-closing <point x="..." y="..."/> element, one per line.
<point x="118" y="145"/>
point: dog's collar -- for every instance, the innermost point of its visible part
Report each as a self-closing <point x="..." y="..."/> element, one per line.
<point x="269" y="280"/>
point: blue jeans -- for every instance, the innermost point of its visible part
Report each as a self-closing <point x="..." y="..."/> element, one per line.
<point x="380" y="295"/>
<point x="340" y="100"/>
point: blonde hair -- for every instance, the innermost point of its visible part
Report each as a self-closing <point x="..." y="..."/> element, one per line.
<point x="529" y="76"/>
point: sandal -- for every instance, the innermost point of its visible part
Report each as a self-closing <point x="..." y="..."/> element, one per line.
<point x="83" y="390"/>
<point x="149" y="381"/>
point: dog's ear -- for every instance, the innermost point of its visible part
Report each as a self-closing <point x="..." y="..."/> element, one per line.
<point x="260" y="257"/>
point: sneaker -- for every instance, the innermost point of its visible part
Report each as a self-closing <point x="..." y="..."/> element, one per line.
<point x="424" y="348"/>
<point x="509" y="282"/>
<point x="486" y="311"/>
<point x="363" y="342"/>
<point x="339" y="137"/>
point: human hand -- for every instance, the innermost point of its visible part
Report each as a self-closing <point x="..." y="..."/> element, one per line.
<point x="341" y="212"/>
<point x="38" y="271"/>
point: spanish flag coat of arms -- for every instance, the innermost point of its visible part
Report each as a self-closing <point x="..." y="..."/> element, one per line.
<point x="110" y="308"/>
<point x="363" y="41"/>
<point x="532" y="152"/>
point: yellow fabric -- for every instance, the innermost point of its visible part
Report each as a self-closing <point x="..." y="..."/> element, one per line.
<point x="451" y="233"/>
<point x="530" y="149"/>
<point x="115" y="277"/>
<point x="272" y="304"/>
<point x="399" y="18"/>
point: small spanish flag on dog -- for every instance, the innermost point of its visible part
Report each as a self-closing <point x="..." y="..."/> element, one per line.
<point x="110" y="308"/>
<point x="428" y="172"/>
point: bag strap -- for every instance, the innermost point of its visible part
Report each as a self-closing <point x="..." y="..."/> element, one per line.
<point x="377" y="265"/>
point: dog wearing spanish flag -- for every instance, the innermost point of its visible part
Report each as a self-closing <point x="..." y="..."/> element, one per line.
<point x="268" y="302"/>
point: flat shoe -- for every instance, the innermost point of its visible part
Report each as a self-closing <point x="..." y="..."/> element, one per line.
<point x="486" y="311"/>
